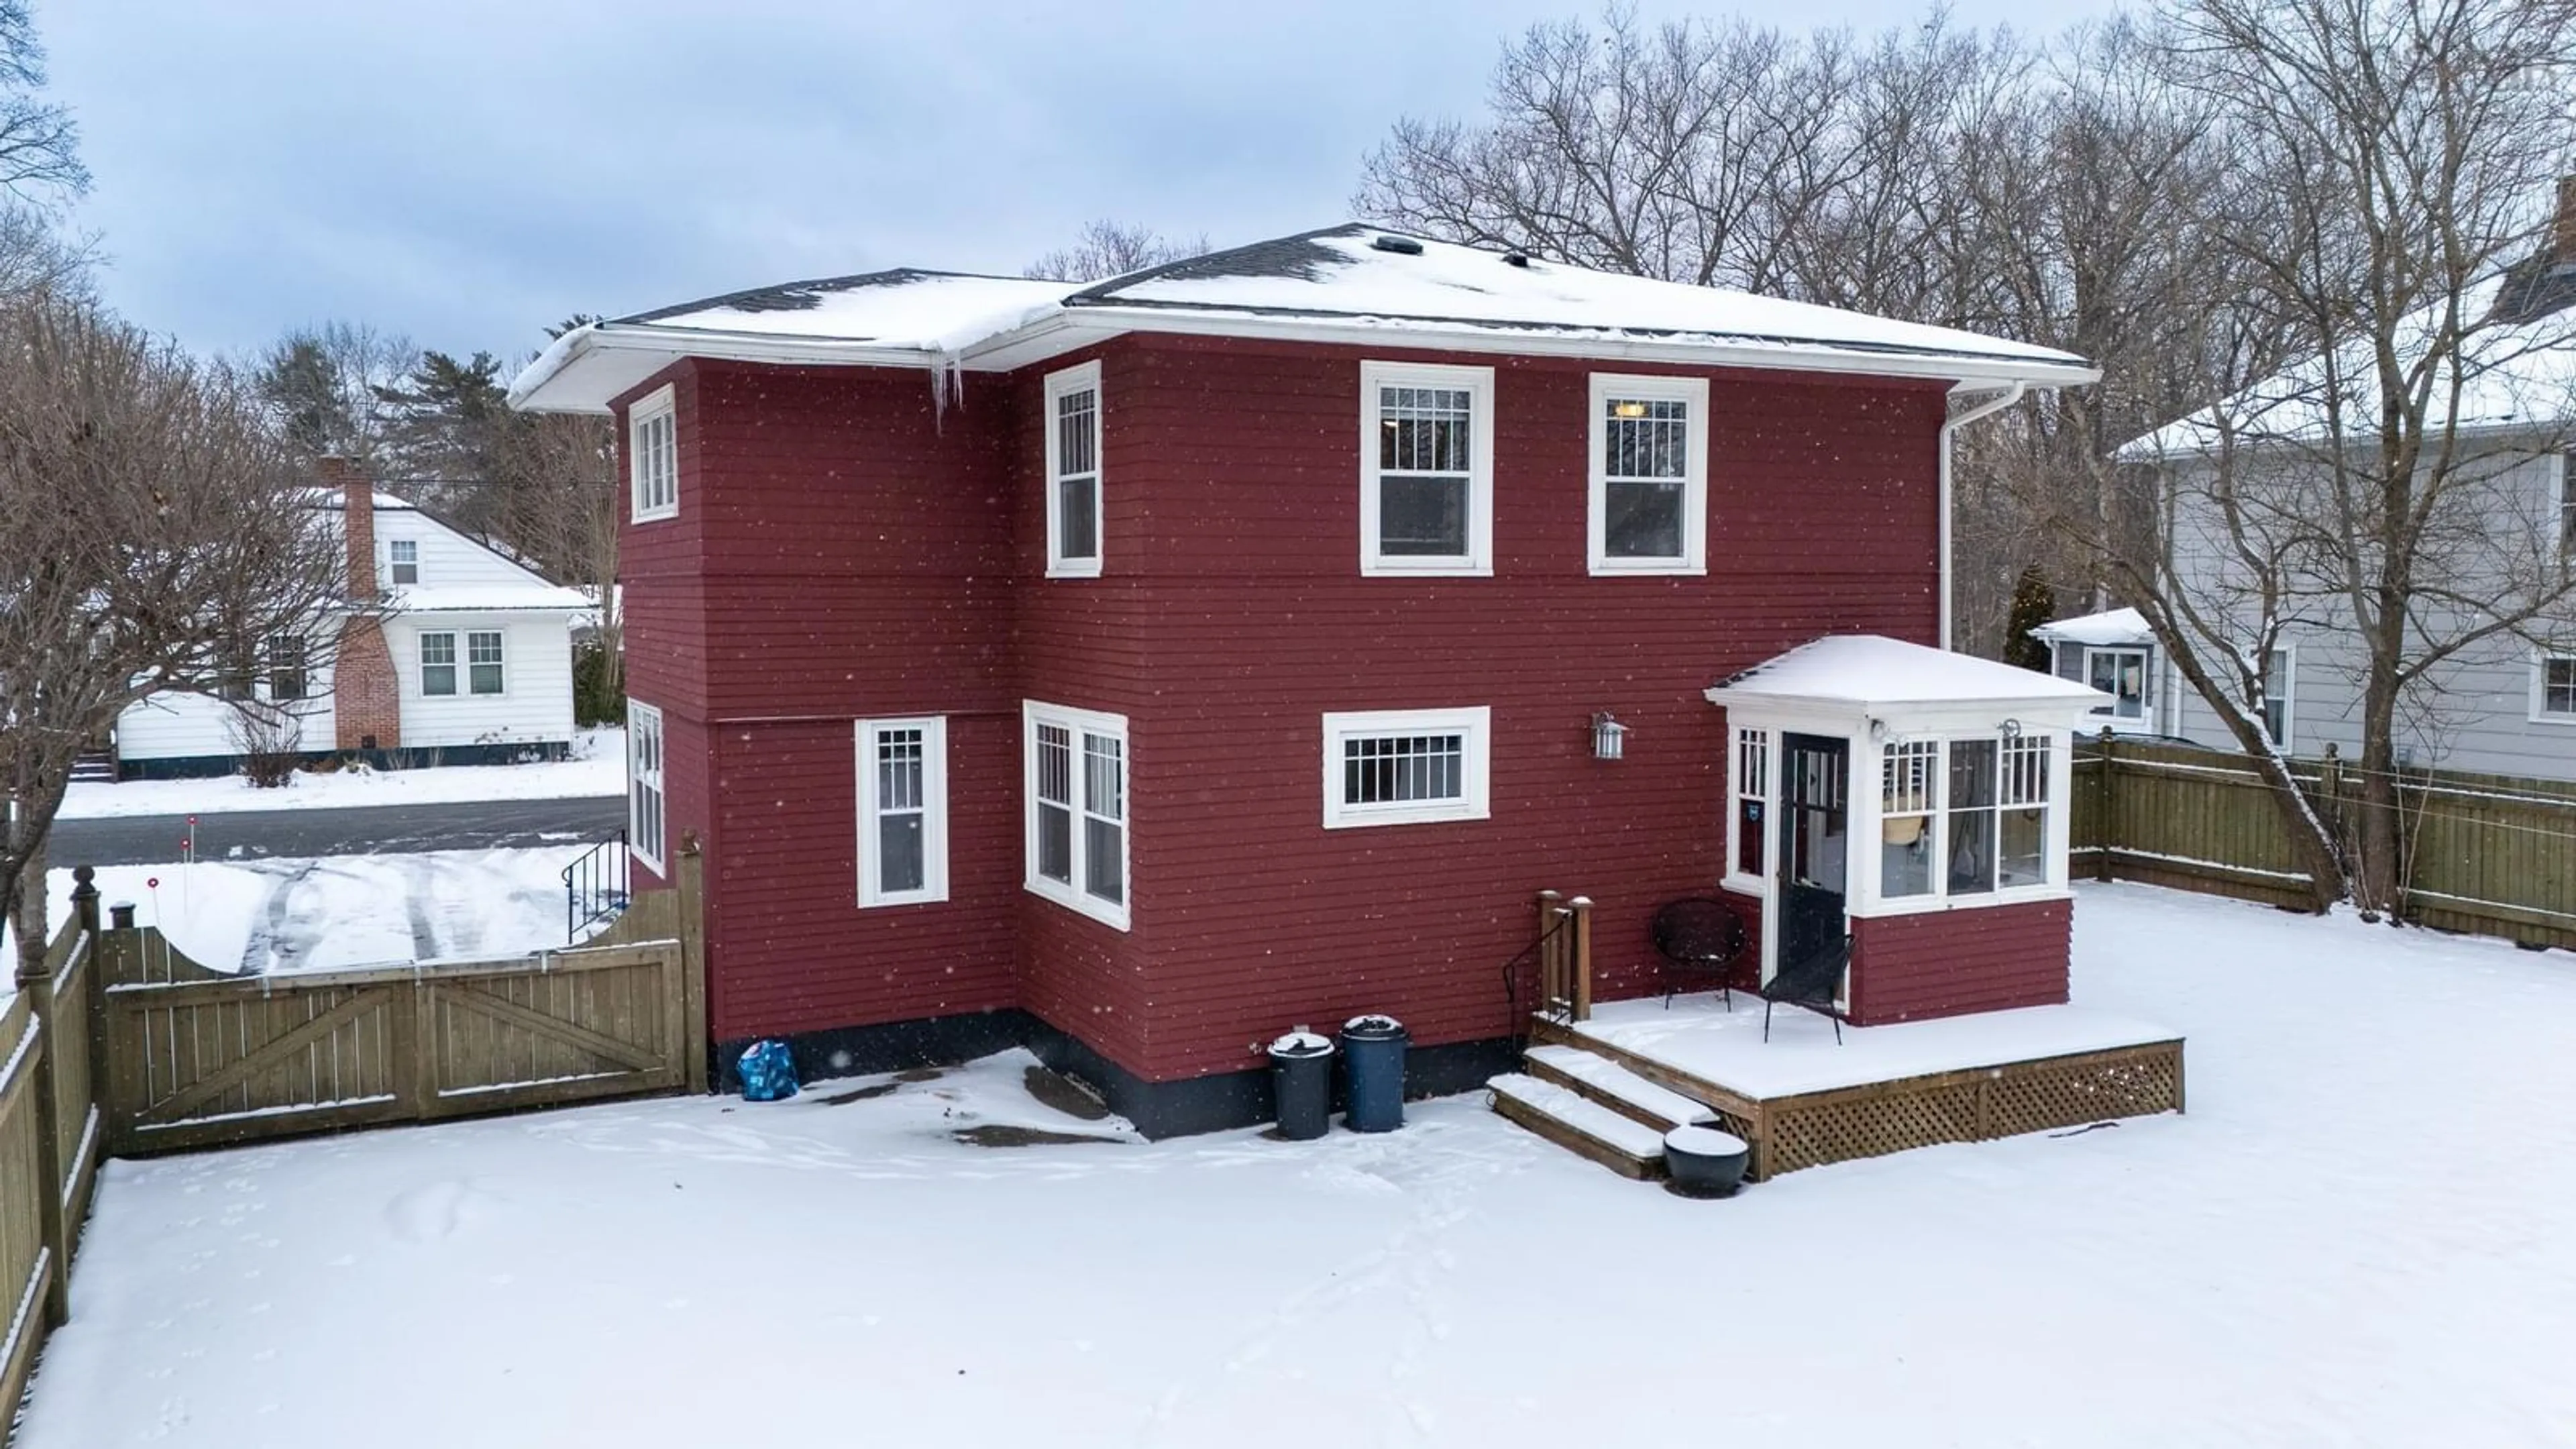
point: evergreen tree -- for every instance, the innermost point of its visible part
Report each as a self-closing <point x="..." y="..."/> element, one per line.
<point x="2033" y="603"/>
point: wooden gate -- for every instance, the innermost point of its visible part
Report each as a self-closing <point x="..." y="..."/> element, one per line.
<point x="197" y="1058"/>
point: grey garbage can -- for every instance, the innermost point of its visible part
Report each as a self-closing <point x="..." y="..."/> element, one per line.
<point x="1373" y="1064"/>
<point x="1301" y="1081"/>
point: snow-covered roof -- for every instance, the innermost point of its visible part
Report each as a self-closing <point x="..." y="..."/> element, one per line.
<point x="486" y="598"/>
<point x="2512" y="374"/>
<point x="1872" y="673"/>
<point x="1352" y="283"/>
<point x="2111" y="626"/>
<point x="334" y="501"/>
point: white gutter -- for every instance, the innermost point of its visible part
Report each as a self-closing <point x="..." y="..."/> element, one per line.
<point x="2011" y="394"/>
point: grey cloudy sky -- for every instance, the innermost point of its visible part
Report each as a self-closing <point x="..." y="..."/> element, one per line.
<point x="468" y="171"/>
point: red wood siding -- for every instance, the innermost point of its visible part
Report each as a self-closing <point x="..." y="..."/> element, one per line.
<point x="1950" y="963"/>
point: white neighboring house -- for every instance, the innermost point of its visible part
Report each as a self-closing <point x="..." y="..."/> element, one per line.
<point x="467" y="661"/>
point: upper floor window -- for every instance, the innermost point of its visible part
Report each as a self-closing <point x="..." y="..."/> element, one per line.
<point x="653" y="456"/>
<point x="1390" y="767"/>
<point x="644" y="798"/>
<point x="1649" y="505"/>
<point x="1076" y="761"/>
<point x="406" y="560"/>
<point x="903" y="811"/>
<point x="1426" y="469"/>
<point x="1073" y="472"/>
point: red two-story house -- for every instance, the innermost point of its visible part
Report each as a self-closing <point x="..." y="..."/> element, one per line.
<point x="1137" y="670"/>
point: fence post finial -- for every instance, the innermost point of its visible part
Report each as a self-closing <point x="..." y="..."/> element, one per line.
<point x="85" y="897"/>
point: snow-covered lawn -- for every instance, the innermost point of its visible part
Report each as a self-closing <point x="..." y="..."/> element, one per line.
<point x="597" y="767"/>
<point x="2363" y="1233"/>
<point x="285" y="915"/>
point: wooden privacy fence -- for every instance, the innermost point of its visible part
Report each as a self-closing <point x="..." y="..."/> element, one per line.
<point x="2489" y="854"/>
<point x="51" y="1138"/>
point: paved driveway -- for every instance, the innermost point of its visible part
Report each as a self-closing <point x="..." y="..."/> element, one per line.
<point x="370" y="830"/>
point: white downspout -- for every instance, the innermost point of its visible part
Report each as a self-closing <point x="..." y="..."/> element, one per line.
<point x="1995" y="404"/>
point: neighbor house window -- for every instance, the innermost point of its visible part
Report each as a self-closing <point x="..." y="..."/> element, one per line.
<point x="1965" y="817"/>
<point x="1390" y="767"/>
<point x="2121" y="674"/>
<point x="406" y="560"/>
<point x="438" y="663"/>
<point x="903" y="811"/>
<point x="653" y="456"/>
<point x="287" y="679"/>
<point x="1076" y="763"/>
<point x="2555" y="689"/>
<point x="644" y="798"/>
<point x="483" y="661"/>
<point x="1751" y="789"/>
<point x="1426" y="469"/>
<point x="2280" y="677"/>
<point x="1649" y="475"/>
<point x="1073" y="472"/>
<point x="2566" y="497"/>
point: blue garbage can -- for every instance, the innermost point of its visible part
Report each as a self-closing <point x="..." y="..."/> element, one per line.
<point x="1373" y="1054"/>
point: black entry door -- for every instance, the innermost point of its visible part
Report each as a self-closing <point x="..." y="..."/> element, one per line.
<point x="1814" y="844"/>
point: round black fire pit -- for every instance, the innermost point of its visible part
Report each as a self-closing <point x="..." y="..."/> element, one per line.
<point x="1705" y="1162"/>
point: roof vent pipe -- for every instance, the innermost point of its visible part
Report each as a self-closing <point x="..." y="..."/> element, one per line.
<point x="1403" y="246"/>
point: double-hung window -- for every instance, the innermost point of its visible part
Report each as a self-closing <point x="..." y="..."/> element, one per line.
<point x="1964" y="818"/>
<point x="903" y="811"/>
<point x="1391" y="767"/>
<point x="1073" y="472"/>
<point x="438" y="663"/>
<point x="653" y="456"/>
<point x="2553" y="688"/>
<point x="483" y="662"/>
<point x="2280" y="678"/>
<point x="1426" y="469"/>
<point x="1649" y="487"/>
<point x="404" y="554"/>
<point x="1076" y="762"/>
<point x="644" y="798"/>
<point x="287" y="678"/>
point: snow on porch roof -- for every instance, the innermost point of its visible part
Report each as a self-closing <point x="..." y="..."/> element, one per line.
<point x="2111" y="626"/>
<point x="1849" y="672"/>
<point x="1338" y="283"/>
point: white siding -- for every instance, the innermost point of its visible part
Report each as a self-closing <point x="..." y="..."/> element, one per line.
<point x="196" y="726"/>
<point x="448" y="559"/>
<point x="535" y="705"/>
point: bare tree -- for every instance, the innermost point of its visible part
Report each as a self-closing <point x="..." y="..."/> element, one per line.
<point x="330" y="389"/>
<point x="151" y="530"/>
<point x="39" y="144"/>
<point x="1108" y="249"/>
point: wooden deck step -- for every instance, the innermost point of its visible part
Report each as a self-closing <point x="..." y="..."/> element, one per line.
<point x="1580" y="1125"/>
<point x="1617" y="1088"/>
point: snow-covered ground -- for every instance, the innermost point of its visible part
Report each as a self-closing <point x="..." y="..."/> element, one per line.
<point x="351" y="910"/>
<point x="2363" y="1233"/>
<point x="597" y="767"/>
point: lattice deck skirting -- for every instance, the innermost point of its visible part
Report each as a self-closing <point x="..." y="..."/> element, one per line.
<point x="1973" y="1105"/>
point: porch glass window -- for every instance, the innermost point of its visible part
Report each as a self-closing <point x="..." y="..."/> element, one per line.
<point x="1965" y="817"/>
<point x="1752" y="786"/>
<point x="903" y="809"/>
<point x="1649" y="470"/>
<point x="438" y="663"/>
<point x="1077" y="809"/>
<point x="2022" y="812"/>
<point x="1426" y="481"/>
<point x="1073" y="472"/>
<point x="1391" y="766"/>
<point x="1907" y="810"/>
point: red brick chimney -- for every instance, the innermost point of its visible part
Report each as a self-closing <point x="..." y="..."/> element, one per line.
<point x="366" y="696"/>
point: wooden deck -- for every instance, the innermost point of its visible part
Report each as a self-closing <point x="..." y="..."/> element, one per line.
<point x="1790" y="1126"/>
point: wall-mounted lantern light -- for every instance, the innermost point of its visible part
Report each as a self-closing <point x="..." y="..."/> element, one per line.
<point x="1609" y="737"/>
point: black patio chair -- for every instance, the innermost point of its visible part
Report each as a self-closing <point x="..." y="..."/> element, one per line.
<point x="1810" y="983"/>
<point x="1699" y="934"/>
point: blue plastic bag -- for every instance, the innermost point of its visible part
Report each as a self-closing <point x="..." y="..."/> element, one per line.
<point x="768" y="1072"/>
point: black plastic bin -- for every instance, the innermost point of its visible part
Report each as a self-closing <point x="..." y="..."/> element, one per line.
<point x="1301" y="1079"/>
<point x="1373" y="1068"/>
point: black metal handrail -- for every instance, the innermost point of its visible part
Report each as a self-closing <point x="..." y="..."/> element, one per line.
<point x="596" y="886"/>
<point x="1512" y="968"/>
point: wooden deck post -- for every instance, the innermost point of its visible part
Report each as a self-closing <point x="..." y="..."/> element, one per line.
<point x="1582" y="906"/>
<point x="2107" y="820"/>
<point x="692" y="885"/>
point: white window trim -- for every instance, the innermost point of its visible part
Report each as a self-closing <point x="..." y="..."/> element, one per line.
<point x="642" y="718"/>
<point x="1070" y="380"/>
<point x="660" y="402"/>
<point x="2540" y="714"/>
<point x="455" y="662"/>
<point x="1072" y="896"/>
<point x="1475" y="765"/>
<point x="1736" y="877"/>
<point x="465" y="661"/>
<point x="1692" y="392"/>
<point x="1478" y="562"/>
<point x="395" y="560"/>
<point x="934" y="811"/>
